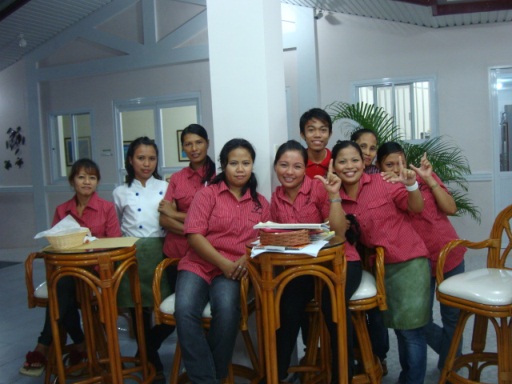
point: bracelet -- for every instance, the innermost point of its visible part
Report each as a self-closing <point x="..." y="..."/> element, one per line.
<point x="411" y="188"/>
<point x="335" y="200"/>
<point x="434" y="186"/>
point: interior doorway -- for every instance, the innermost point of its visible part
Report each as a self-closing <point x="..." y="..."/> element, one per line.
<point x="501" y="101"/>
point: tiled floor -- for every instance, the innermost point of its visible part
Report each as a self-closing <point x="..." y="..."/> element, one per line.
<point x="20" y="327"/>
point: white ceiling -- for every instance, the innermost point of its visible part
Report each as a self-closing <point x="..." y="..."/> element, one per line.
<point x="41" y="20"/>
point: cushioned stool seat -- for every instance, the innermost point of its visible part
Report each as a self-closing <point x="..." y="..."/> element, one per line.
<point x="41" y="292"/>
<point x="486" y="294"/>
<point x="168" y="306"/>
<point x="490" y="286"/>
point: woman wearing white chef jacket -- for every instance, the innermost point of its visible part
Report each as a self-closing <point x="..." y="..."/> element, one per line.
<point x="137" y="207"/>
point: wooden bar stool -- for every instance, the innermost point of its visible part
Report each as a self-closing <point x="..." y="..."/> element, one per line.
<point x="164" y="314"/>
<point x="37" y="296"/>
<point x="370" y="294"/>
<point x="486" y="294"/>
<point x="98" y="274"/>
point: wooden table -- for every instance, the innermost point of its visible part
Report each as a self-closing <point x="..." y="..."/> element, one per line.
<point x="270" y="272"/>
<point x="97" y="273"/>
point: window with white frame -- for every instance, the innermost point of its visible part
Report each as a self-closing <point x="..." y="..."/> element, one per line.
<point x="160" y="119"/>
<point x="71" y="140"/>
<point x="411" y="102"/>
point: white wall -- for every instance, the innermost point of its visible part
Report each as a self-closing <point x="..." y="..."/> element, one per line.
<point x="362" y="49"/>
<point x="355" y="49"/>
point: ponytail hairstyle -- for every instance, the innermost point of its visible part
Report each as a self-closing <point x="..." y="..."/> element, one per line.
<point x="231" y="145"/>
<point x="209" y="165"/>
<point x="130" y="172"/>
<point x="354" y="231"/>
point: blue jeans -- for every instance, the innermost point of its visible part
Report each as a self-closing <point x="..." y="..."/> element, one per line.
<point x="207" y="355"/>
<point x="439" y="338"/>
<point x="412" y="351"/>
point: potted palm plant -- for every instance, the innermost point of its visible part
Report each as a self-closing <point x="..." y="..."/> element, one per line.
<point x="446" y="157"/>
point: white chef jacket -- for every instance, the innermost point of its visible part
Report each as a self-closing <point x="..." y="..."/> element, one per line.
<point x="137" y="207"/>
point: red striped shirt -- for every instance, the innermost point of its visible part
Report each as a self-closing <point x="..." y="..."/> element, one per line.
<point x="99" y="216"/>
<point x="182" y="189"/>
<point x="313" y="169"/>
<point x="227" y="223"/>
<point x="381" y="210"/>
<point x="435" y="228"/>
<point x="310" y="206"/>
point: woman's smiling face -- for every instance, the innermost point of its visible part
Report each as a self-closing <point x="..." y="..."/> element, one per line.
<point x="290" y="169"/>
<point x="349" y="165"/>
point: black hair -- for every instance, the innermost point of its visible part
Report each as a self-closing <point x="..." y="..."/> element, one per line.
<point x="130" y="172"/>
<point x="315" y="113"/>
<point x="342" y="144"/>
<point x="354" y="231"/>
<point x="291" y="145"/>
<point x="360" y="132"/>
<point x="231" y="145"/>
<point x="89" y="166"/>
<point x="387" y="149"/>
<point x="209" y="165"/>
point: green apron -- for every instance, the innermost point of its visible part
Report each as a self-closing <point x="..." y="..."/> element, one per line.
<point x="149" y="255"/>
<point x="407" y="294"/>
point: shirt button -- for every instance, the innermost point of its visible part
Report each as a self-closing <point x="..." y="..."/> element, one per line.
<point x="140" y="226"/>
<point x="136" y="193"/>
<point x="139" y="209"/>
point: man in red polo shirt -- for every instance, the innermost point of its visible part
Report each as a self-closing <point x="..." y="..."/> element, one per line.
<point x="316" y="129"/>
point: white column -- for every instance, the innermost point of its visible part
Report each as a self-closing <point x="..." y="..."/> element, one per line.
<point x="247" y="78"/>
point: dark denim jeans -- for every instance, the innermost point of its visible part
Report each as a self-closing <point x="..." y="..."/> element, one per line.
<point x="207" y="356"/>
<point x="69" y="316"/>
<point x="412" y="351"/>
<point x="439" y="338"/>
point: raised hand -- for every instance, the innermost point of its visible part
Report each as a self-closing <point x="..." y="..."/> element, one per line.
<point x="404" y="176"/>
<point x="425" y="169"/>
<point x="331" y="181"/>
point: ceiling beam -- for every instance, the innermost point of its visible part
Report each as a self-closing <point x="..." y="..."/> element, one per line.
<point x="470" y="7"/>
<point x="9" y="7"/>
<point x="454" y="7"/>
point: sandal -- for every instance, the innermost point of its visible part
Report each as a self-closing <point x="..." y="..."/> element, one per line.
<point x="35" y="364"/>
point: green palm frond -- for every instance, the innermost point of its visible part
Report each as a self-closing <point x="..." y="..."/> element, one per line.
<point x="447" y="159"/>
<point x="465" y="206"/>
<point x="367" y="116"/>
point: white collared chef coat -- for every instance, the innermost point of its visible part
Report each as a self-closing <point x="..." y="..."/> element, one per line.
<point x="137" y="207"/>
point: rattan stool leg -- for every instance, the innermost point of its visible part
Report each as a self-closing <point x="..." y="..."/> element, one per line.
<point x="371" y="364"/>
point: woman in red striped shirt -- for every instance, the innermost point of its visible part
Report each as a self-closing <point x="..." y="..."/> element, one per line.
<point x="436" y="230"/>
<point x="300" y="199"/>
<point x="97" y="214"/>
<point x="382" y="210"/>
<point x="218" y="225"/>
<point x="173" y="209"/>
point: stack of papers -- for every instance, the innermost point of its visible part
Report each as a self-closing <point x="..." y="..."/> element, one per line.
<point x="271" y="225"/>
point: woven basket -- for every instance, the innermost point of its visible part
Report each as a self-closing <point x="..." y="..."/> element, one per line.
<point x="68" y="238"/>
<point x="285" y="239"/>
